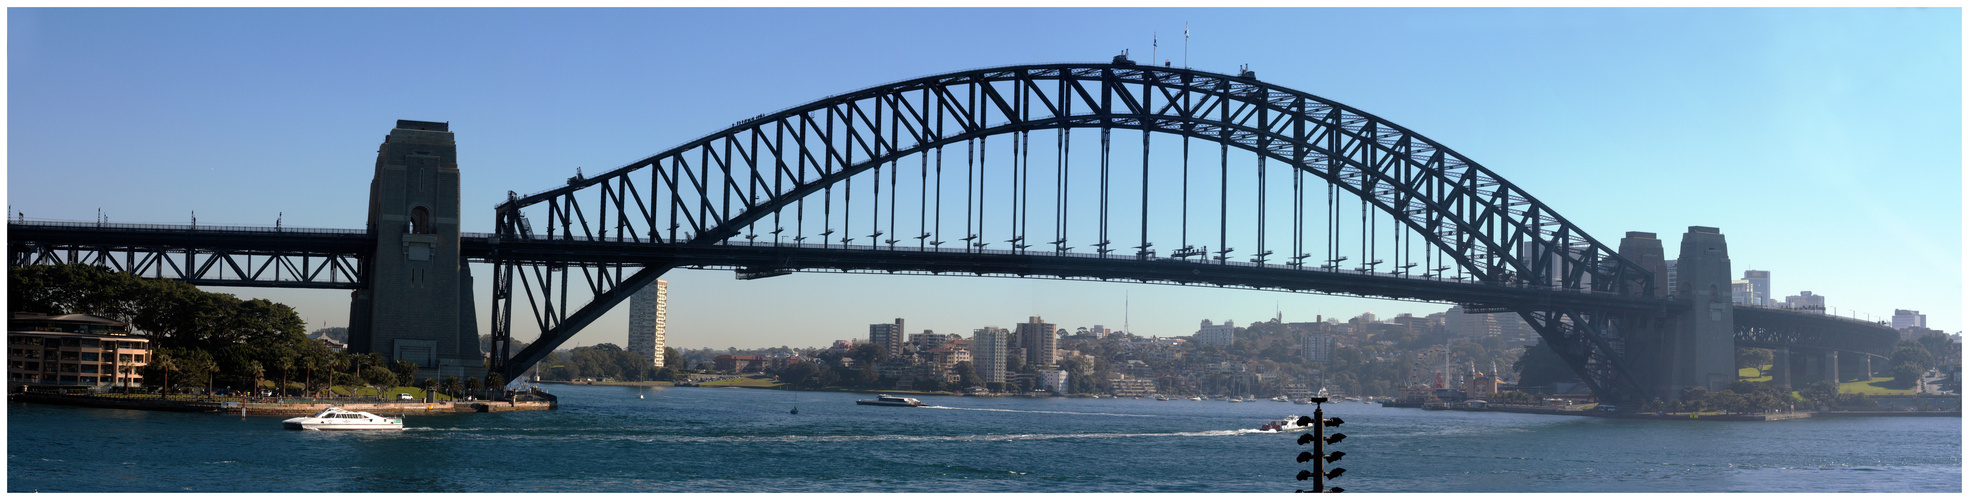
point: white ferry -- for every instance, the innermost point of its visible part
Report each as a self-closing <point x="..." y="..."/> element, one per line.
<point x="1289" y="423"/>
<point x="337" y="419"/>
<point x="887" y="400"/>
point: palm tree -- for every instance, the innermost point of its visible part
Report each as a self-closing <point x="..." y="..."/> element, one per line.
<point x="257" y="370"/>
<point x="212" y="369"/>
<point x="126" y="370"/>
<point x="163" y="362"/>
<point x="308" y="363"/>
<point x="335" y="364"/>
<point x="451" y="385"/>
<point x="472" y="384"/>
<point x="286" y="365"/>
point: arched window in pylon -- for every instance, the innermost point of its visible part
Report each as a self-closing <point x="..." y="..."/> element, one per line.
<point x="420" y="221"/>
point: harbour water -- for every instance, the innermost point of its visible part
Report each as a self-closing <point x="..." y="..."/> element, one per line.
<point x="606" y="439"/>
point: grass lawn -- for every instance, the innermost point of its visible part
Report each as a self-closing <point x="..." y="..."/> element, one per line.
<point x="387" y="393"/>
<point x="1875" y="387"/>
<point x="765" y="382"/>
<point x="1756" y="374"/>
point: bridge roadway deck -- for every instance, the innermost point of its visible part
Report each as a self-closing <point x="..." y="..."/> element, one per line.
<point x="903" y="259"/>
<point x="478" y="247"/>
<point x="1759" y="327"/>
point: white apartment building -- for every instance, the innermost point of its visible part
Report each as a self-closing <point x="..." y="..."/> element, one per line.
<point x="647" y="316"/>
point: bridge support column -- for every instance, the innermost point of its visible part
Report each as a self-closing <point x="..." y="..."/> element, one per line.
<point x="418" y="305"/>
<point x="1829" y="366"/>
<point x="1854" y="367"/>
<point x="1650" y="346"/>
<point x="1781" y="368"/>
<point x="1702" y="345"/>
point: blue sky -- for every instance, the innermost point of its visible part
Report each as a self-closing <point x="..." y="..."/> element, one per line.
<point x="1826" y="143"/>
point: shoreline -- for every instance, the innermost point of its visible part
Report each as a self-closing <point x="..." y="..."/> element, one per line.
<point x="1748" y="417"/>
<point x="279" y="408"/>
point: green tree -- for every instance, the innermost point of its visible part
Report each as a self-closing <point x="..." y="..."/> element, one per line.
<point x="258" y="372"/>
<point x="380" y="379"/>
<point x="967" y="375"/>
<point x="1908" y="351"/>
<point x="1540" y="367"/>
<point x="1907" y="373"/>
<point x="309" y="364"/>
<point x="1751" y="357"/>
<point x="286" y="365"/>
<point x="212" y="371"/>
<point x="1822" y="392"/>
<point x="452" y="386"/>
<point x="405" y="370"/>
<point x="163" y="362"/>
<point x="672" y="358"/>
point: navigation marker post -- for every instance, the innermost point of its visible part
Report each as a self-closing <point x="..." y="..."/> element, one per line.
<point x="1318" y="456"/>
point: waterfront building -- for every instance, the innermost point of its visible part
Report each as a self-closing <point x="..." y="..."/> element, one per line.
<point x="1805" y="300"/>
<point x="74" y="350"/>
<point x="647" y="316"/>
<point x="1217" y="335"/>
<point x="887" y="335"/>
<point x="1513" y="328"/>
<point x="1040" y="341"/>
<point x="1422" y="324"/>
<point x="989" y="353"/>
<point x="1054" y="381"/>
<point x="1479" y="326"/>
<point x="929" y="340"/>
<point x="330" y="342"/>
<point x="736" y="363"/>
<point x="1130" y="387"/>
<point x="1904" y="318"/>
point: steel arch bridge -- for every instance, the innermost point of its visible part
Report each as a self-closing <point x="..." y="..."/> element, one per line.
<point x="793" y="177"/>
<point x="767" y="195"/>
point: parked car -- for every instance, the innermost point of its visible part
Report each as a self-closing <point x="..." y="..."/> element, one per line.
<point x="405" y="395"/>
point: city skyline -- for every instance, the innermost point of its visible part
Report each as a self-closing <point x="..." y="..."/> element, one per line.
<point x="1816" y="136"/>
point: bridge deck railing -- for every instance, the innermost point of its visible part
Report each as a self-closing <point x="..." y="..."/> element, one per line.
<point x="1112" y="256"/>
<point x="184" y="227"/>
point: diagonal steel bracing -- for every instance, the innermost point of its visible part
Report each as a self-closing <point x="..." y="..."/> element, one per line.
<point x="1421" y="204"/>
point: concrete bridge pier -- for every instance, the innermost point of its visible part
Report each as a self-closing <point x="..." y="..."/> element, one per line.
<point x="1855" y="366"/>
<point x="1781" y="368"/>
<point x="1650" y="348"/>
<point x="1829" y="366"/>
<point x="1703" y="339"/>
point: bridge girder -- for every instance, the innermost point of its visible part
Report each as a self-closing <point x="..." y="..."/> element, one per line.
<point x="211" y="256"/>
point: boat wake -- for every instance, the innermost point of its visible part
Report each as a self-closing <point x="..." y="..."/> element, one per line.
<point x="1043" y="411"/>
<point x="957" y="438"/>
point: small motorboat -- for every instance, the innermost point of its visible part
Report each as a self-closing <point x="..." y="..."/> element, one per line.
<point x="887" y="400"/>
<point x="1196" y="398"/>
<point x="1161" y="398"/>
<point x="1289" y="423"/>
<point x="337" y="419"/>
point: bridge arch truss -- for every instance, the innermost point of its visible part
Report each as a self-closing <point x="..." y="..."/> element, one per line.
<point x="764" y="176"/>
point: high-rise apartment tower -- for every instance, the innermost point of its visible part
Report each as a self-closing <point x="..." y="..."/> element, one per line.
<point x="647" y="316"/>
